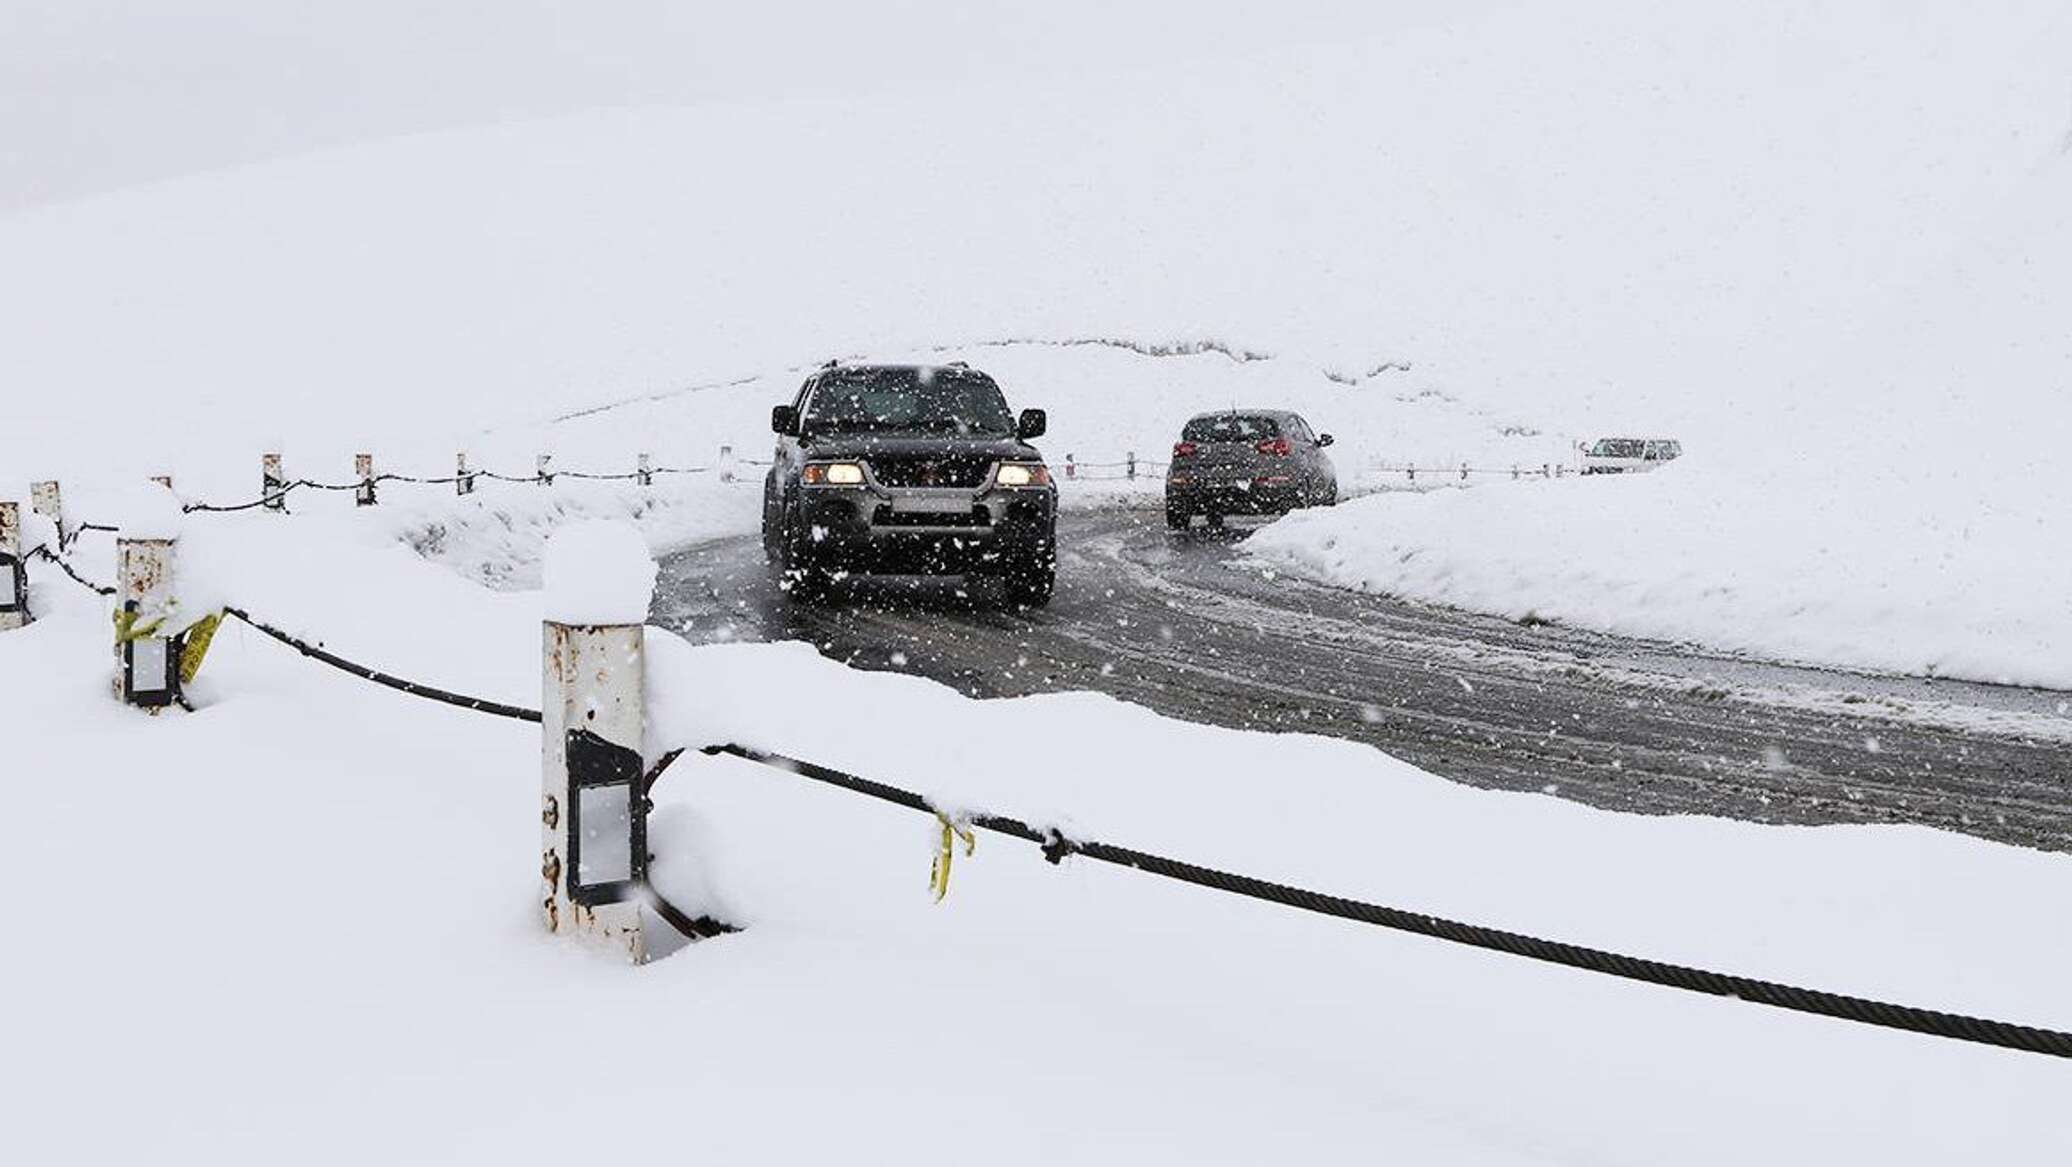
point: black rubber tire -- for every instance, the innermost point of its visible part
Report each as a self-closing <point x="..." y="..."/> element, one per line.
<point x="799" y="577"/>
<point x="1178" y="518"/>
<point x="1031" y="579"/>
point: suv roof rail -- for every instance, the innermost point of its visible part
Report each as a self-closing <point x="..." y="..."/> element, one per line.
<point x="831" y="362"/>
<point x="959" y="364"/>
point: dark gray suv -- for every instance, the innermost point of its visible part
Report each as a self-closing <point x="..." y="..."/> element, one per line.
<point x="1247" y="462"/>
<point x="909" y="469"/>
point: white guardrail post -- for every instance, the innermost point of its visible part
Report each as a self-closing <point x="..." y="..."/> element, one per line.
<point x="272" y="483"/>
<point x="645" y="470"/>
<point x="363" y="471"/>
<point x="49" y="501"/>
<point x="726" y="463"/>
<point x="593" y="812"/>
<point x="463" y="481"/>
<point x="14" y="569"/>
<point x="148" y="663"/>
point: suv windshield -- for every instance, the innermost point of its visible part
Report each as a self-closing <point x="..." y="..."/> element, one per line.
<point x="1616" y="448"/>
<point x="1230" y="427"/>
<point x="920" y="399"/>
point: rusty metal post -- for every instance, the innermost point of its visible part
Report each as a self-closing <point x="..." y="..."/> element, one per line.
<point x="149" y="674"/>
<point x="363" y="469"/>
<point x="645" y="469"/>
<point x="463" y="480"/>
<point x="46" y="500"/>
<point x="726" y="463"/>
<point x="272" y="486"/>
<point x="14" y="569"/>
<point x="593" y="810"/>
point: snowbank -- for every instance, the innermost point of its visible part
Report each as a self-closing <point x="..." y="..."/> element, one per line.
<point x="348" y="939"/>
<point x="1902" y="580"/>
<point x="1927" y="531"/>
<point x="496" y="536"/>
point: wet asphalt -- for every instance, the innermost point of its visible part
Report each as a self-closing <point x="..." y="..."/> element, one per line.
<point x="1188" y="625"/>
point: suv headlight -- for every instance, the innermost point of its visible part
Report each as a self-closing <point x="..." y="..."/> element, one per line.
<point x="1022" y="474"/>
<point x="832" y="474"/>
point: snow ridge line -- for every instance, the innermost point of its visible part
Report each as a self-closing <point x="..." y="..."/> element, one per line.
<point x="1056" y="847"/>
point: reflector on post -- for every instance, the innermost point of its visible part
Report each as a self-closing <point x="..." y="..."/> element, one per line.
<point x="607" y="830"/>
<point x="149" y="658"/>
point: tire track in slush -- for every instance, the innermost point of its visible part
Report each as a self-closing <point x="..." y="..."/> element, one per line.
<point x="1184" y="625"/>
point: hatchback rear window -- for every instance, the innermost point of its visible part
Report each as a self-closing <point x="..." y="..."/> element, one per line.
<point x="1230" y="427"/>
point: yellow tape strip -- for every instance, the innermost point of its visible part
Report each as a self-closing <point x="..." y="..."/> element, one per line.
<point x="945" y="851"/>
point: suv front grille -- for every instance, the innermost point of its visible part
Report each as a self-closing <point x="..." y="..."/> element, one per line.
<point x="885" y="516"/>
<point x="966" y="473"/>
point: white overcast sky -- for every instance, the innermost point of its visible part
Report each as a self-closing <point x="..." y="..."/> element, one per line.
<point x="101" y="94"/>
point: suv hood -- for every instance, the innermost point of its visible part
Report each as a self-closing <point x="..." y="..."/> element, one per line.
<point x="944" y="446"/>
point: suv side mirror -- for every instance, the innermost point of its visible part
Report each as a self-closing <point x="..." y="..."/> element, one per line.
<point x="784" y="419"/>
<point x="1324" y="440"/>
<point x="1031" y="424"/>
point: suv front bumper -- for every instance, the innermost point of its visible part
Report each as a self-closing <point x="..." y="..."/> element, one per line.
<point x="927" y="530"/>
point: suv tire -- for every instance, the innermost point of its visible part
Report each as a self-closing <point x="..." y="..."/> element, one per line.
<point x="1031" y="578"/>
<point x="799" y="576"/>
<point x="1178" y="518"/>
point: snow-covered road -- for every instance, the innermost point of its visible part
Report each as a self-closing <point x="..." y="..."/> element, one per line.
<point x="1189" y="627"/>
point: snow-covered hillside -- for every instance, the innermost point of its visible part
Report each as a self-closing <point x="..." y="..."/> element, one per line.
<point x="1579" y="219"/>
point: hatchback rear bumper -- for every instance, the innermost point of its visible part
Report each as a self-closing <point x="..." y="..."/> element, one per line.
<point x="1233" y="498"/>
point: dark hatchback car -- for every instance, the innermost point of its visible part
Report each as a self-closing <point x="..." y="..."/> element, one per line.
<point x="1247" y="462"/>
<point x="909" y="469"/>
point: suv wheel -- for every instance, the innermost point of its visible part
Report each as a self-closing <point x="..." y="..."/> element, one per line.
<point x="799" y="577"/>
<point x="1178" y="518"/>
<point x="1031" y="578"/>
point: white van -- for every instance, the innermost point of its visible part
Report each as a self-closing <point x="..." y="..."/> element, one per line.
<point x="1629" y="455"/>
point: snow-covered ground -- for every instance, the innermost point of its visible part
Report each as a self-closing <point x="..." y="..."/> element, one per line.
<point x="308" y="907"/>
<point x="1823" y="243"/>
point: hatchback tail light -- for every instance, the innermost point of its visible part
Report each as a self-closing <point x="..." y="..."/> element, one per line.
<point x="1279" y="446"/>
<point x="1184" y="449"/>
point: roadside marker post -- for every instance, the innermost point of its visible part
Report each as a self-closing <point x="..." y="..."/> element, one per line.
<point x="593" y="809"/>
<point x="646" y="470"/>
<point x="14" y="570"/>
<point x="726" y="463"/>
<point x="272" y="484"/>
<point x="1131" y="463"/>
<point x="542" y="469"/>
<point x="46" y="500"/>
<point x="363" y="469"/>
<point x="463" y="481"/>
<point x="148" y="660"/>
